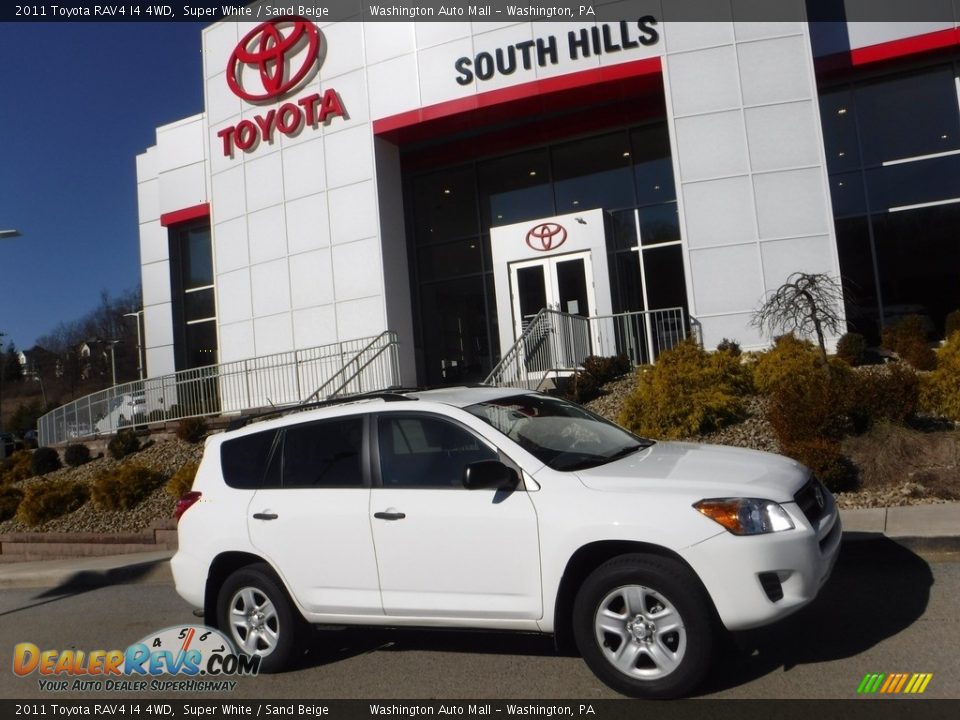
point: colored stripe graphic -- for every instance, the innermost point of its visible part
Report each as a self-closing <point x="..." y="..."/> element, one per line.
<point x="894" y="683"/>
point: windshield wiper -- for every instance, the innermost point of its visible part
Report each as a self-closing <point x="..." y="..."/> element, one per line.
<point x="628" y="450"/>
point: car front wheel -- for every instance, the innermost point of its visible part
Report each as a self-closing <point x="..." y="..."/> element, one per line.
<point x="643" y="625"/>
<point x="254" y="610"/>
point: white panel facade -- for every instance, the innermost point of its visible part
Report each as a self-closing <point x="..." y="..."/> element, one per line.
<point x="171" y="176"/>
<point x="748" y="176"/>
<point x="307" y="219"/>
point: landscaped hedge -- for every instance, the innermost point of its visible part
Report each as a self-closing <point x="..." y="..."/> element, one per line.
<point x="45" y="460"/>
<point x="688" y="391"/>
<point x="124" y="487"/>
<point x="10" y="498"/>
<point x="76" y="455"/>
<point x="46" y="501"/>
<point x="182" y="480"/>
<point x="123" y="443"/>
<point x="940" y="389"/>
<point x="18" y="466"/>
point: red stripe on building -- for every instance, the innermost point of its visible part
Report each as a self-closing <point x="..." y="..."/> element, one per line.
<point x="537" y="88"/>
<point x="904" y="47"/>
<point x="185" y="215"/>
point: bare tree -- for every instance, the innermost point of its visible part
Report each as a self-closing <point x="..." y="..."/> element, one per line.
<point x="808" y="304"/>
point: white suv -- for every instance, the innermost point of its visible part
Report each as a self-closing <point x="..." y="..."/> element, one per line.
<point x="499" y="508"/>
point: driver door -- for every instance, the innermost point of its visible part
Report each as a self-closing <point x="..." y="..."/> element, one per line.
<point x="443" y="550"/>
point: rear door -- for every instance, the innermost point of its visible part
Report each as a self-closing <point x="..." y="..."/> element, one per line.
<point x="311" y="518"/>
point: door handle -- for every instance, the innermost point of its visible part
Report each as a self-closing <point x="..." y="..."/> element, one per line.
<point x="265" y="516"/>
<point x="389" y="515"/>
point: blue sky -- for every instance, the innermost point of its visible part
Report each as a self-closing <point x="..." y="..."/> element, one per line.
<point x="78" y="103"/>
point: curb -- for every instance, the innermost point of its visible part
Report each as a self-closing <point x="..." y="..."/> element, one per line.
<point x="63" y="577"/>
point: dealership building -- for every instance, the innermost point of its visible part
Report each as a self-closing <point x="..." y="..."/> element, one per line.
<point x="447" y="180"/>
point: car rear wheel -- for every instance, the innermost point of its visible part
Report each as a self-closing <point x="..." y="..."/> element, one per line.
<point x="255" y="612"/>
<point x="643" y="625"/>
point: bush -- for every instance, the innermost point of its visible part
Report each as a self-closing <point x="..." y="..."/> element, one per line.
<point x="951" y="324"/>
<point x="192" y="430"/>
<point x="182" y="480"/>
<point x="45" y="460"/>
<point x="888" y="393"/>
<point x="46" y="501"/>
<point x="10" y="498"/>
<point x="605" y="369"/>
<point x="808" y="400"/>
<point x="729" y="346"/>
<point x="76" y="455"/>
<point x="123" y="443"/>
<point x="581" y="387"/>
<point x="851" y="348"/>
<point x="940" y="389"/>
<point x="813" y="406"/>
<point x="790" y="360"/>
<point x="17" y="467"/>
<point x="827" y="461"/>
<point x="908" y="339"/>
<point x="124" y="487"/>
<point x="688" y="391"/>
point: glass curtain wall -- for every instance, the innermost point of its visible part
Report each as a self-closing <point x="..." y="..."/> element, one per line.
<point x="628" y="173"/>
<point x="194" y="308"/>
<point x="893" y="154"/>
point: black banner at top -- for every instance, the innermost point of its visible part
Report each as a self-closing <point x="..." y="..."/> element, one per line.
<point x="900" y="11"/>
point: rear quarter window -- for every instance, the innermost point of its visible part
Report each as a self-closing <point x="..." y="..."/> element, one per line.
<point x="243" y="460"/>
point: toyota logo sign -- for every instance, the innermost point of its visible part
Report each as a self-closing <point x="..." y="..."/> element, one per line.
<point x="268" y="53"/>
<point x="546" y="236"/>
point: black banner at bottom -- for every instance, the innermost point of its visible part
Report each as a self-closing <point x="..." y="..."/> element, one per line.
<point x="860" y="709"/>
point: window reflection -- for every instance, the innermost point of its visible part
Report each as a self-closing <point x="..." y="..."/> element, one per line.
<point x="515" y="188"/>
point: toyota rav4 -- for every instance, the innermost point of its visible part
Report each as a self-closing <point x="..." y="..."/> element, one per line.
<point x="501" y="509"/>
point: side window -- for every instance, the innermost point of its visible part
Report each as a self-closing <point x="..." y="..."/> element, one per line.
<point x="423" y="451"/>
<point x="324" y="454"/>
<point x="244" y="460"/>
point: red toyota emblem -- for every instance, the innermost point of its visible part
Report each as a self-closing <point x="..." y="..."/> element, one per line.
<point x="546" y="236"/>
<point x="269" y="48"/>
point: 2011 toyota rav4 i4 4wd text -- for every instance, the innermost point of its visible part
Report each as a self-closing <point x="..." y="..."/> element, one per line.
<point x="500" y="509"/>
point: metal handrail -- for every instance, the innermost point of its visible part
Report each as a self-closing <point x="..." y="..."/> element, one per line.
<point x="556" y="342"/>
<point x="278" y="380"/>
<point x="318" y="392"/>
<point x="552" y="341"/>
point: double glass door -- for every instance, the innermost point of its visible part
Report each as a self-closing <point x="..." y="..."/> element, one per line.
<point x="562" y="282"/>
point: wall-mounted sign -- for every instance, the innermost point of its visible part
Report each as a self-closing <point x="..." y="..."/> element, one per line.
<point x="272" y="61"/>
<point x="261" y="67"/>
<point x="601" y="39"/>
<point x="546" y="236"/>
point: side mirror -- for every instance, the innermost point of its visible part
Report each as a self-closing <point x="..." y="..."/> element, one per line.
<point x="489" y="475"/>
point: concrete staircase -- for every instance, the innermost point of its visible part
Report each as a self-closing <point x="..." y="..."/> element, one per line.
<point x="26" y="547"/>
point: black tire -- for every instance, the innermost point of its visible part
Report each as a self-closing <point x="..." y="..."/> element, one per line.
<point x="615" y="622"/>
<point x="255" y="612"/>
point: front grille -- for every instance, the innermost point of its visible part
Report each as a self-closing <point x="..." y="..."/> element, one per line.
<point x="812" y="500"/>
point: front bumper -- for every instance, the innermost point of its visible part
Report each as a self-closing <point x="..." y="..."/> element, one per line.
<point x="759" y="579"/>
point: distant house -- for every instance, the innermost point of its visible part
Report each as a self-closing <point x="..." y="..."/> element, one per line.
<point x="94" y="356"/>
<point x="40" y="361"/>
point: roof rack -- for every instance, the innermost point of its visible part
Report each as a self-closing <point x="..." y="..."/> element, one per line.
<point x="390" y="395"/>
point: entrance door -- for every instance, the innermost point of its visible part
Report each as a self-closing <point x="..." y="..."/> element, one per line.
<point x="560" y="282"/>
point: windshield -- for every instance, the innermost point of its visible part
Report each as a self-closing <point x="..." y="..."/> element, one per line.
<point x="560" y="434"/>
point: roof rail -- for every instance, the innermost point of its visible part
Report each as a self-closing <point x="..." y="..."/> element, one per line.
<point x="391" y="395"/>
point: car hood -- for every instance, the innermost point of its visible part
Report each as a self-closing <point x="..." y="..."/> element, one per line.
<point x="704" y="470"/>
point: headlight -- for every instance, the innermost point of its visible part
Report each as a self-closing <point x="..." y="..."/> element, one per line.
<point x="746" y="516"/>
